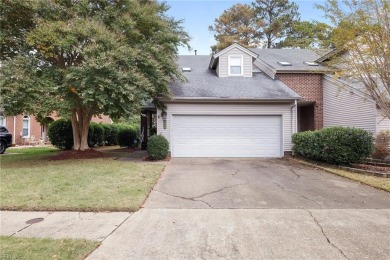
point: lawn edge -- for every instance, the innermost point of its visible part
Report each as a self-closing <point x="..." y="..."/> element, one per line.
<point x="155" y="184"/>
<point x="72" y="209"/>
<point x="334" y="171"/>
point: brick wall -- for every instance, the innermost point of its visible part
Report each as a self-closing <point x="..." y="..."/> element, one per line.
<point x="17" y="121"/>
<point x="309" y="87"/>
<point x="35" y="127"/>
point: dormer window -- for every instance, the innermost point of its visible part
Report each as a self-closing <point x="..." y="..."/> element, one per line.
<point x="235" y="65"/>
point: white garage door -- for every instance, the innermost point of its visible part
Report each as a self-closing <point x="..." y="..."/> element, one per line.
<point x="226" y="136"/>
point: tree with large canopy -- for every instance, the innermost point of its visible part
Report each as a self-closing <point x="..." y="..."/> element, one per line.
<point x="236" y="24"/>
<point x="306" y="34"/>
<point x="82" y="58"/>
<point x="278" y="17"/>
<point x="362" y="40"/>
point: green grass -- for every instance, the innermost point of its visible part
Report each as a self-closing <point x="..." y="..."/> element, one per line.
<point x="31" y="182"/>
<point x="37" y="248"/>
<point x="15" y="156"/>
<point x="373" y="181"/>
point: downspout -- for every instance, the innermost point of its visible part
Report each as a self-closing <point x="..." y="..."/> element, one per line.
<point x="14" y="136"/>
<point x="293" y="121"/>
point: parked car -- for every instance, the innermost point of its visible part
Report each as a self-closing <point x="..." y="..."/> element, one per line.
<point x="5" y="139"/>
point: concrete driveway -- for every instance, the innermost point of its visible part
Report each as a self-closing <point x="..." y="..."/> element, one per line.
<point x="253" y="209"/>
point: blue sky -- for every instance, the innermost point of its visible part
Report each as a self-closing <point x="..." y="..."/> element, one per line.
<point x="199" y="14"/>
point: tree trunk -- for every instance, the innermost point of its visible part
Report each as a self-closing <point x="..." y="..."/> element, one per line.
<point x="81" y="118"/>
<point x="269" y="42"/>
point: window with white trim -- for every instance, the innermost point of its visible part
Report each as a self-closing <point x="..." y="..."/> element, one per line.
<point x="26" y="126"/>
<point x="235" y="65"/>
<point x="3" y="121"/>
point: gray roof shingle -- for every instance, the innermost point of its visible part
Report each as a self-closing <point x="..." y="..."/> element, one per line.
<point x="204" y="83"/>
<point x="296" y="57"/>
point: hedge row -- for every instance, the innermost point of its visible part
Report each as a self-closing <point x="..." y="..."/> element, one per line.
<point x="336" y="145"/>
<point x="61" y="134"/>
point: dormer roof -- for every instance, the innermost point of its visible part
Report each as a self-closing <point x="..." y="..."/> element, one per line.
<point x="214" y="58"/>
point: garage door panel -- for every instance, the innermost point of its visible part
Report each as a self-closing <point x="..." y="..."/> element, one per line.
<point x="226" y="136"/>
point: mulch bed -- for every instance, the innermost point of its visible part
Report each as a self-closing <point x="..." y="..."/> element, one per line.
<point x="73" y="155"/>
<point x="368" y="167"/>
<point x="381" y="170"/>
<point x="150" y="160"/>
<point x="121" y="150"/>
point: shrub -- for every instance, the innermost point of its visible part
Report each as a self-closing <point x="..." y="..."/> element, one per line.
<point x="338" y="145"/>
<point x="158" y="147"/>
<point x="61" y="134"/>
<point x="382" y="145"/>
<point x="127" y="136"/>
<point x="153" y="130"/>
<point x="110" y="134"/>
<point x="95" y="135"/>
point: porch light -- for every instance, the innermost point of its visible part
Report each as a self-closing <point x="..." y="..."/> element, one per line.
<point x="164" y="115"/>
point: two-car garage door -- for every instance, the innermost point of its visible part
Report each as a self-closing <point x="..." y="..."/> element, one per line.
<point x="226" y="136"/>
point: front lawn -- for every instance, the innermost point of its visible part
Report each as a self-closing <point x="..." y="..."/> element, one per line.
<point x="38" y="248"/>
<point x="29" y="181"/>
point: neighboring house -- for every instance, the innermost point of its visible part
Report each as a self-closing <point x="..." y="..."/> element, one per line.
<point x="24" y="127"/>
<point x="249" y="102"/>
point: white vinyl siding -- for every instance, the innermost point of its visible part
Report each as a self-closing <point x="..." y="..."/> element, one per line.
<point x="383" y="122"/>
<point x="223" y="65"/>
<point x="344" y="106"/>
<point x="283" y="109"/>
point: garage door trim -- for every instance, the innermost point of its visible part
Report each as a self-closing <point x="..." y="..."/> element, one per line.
<point x="281" y="129"/>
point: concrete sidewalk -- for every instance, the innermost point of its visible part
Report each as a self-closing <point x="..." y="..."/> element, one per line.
<point x="84" y="225"/>
<point x="216" y="233"/>
<point x="250" y="234"/>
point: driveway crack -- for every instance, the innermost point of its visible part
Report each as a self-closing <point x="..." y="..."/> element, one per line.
<point x="197" y="198"/>
<point x="184" y="198"/>
<point x="324" y="234"/>
<point x="300" y="195"/>
<point x="295" y="173"/>
<point x="216" y="191"/>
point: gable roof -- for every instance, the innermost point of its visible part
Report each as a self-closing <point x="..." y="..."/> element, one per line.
<point x="329" y="55"/>
<point x="296" y="57"/>
<point x="204" y="84"/>
<point x="214" y="57"/>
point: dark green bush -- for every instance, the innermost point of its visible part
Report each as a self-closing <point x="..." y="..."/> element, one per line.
<point x="61" y="134"/>
<point x="95" y="134"/>
<point x="337" y="145"/>
<point x="110" y="134"/>
<point x="153" y="130"/>
<point x="127" y="136"/>
<point x="158" y="147"/>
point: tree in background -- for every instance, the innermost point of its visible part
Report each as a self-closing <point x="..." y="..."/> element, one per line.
<point x="236" y="24"/>
<point x="278" y="17"/>
<point x="85" y="58"/>
<point x="305" y="34"/>
<point x="362" y="34"/>
<point x="16" y="18"/>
